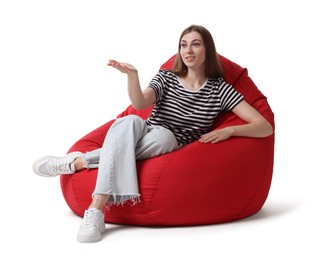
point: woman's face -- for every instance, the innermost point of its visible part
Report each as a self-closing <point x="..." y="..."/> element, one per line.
<point x="192" y="50"/>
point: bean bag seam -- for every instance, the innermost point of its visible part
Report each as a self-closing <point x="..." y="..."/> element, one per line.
<point x="260" y="186"/>
<point x="155" y="188"/>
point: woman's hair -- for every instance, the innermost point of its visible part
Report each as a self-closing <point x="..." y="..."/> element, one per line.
<point x="213" y="68"/>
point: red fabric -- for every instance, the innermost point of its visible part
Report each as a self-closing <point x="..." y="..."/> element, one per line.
<point x="198" y="184"/>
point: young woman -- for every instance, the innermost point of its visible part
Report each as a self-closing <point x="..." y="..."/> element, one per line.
<point x="187" y="100"/>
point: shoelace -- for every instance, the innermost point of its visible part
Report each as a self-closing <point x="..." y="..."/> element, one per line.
<point x="60" y="166"/>
<point x="90" y="218"/>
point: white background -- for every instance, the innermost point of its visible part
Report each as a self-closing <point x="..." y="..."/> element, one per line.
<point x="56" y="87"/>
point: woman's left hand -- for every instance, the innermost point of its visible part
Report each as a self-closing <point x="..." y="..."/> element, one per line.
<point x="216" y="136"/>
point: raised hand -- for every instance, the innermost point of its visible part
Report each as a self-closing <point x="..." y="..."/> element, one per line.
<point x="122" y="67"/>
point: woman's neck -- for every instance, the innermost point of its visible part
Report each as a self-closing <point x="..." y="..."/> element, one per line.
<point x="193" y="81"/>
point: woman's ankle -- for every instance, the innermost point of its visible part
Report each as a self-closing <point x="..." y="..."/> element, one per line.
<point x="99" y="201"/>
<point x="80" y="164"/>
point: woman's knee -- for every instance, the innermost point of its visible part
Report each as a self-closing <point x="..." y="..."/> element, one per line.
<point x="158" y="141"/>
<point x="166" y="140"/>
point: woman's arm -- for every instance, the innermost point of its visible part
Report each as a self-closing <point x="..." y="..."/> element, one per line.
<point x="140" y="99"/>
<point x="257" y="126"/>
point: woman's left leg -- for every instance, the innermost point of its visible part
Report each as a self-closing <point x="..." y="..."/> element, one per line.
<point x="128" y="140"/>
<point x="116" y="180"/>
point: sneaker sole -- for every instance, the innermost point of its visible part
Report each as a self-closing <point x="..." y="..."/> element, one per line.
<point x="89" y="239"/>
<point x="35" y="164"/>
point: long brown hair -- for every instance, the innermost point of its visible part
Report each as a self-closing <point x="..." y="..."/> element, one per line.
<point x="213" y="68"/>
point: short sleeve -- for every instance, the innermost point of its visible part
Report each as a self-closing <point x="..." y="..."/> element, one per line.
<point x="158" y="84"/>
<point x="229" y="96"/>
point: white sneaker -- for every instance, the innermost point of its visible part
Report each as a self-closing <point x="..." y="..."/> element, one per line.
<point x="50" y="166"/>
<point x="93" y="226"/>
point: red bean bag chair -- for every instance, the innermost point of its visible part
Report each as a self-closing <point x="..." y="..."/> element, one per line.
<point x="198" y="184"/>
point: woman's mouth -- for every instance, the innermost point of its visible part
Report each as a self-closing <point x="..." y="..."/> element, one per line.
<point x="190" y="58"/>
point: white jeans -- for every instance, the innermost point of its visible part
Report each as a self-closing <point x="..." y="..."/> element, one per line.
<point x="128" y="139"/>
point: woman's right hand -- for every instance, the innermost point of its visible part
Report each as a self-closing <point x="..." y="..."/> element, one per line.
<point x="140" y="99"/>
<point x="122" y="67"/>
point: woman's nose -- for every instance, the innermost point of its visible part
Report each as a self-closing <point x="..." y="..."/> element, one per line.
<point x="189" y="49"/>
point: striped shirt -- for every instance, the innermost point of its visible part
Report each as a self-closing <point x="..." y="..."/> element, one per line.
<point x="189" y="114"/>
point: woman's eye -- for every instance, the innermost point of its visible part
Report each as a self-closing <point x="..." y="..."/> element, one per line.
<point x="183" y="45"/>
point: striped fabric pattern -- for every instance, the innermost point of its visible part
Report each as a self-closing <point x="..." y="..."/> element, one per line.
<point x="189" y="114"/>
